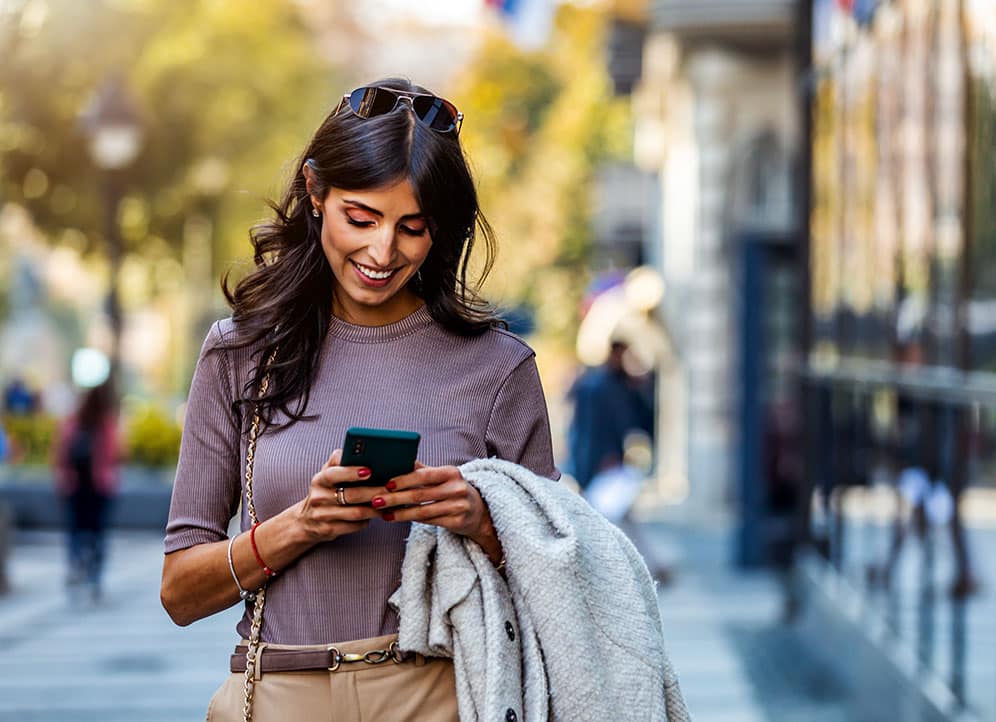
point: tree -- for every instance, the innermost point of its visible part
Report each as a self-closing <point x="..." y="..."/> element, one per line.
<point x="538" y="125"/>
<point x="228" y="91"/>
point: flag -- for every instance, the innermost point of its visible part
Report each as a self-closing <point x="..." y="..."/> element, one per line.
<point x="528" y="21"/>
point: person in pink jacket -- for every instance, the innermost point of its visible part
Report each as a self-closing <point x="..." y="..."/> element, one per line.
<point x="86" y="477"/>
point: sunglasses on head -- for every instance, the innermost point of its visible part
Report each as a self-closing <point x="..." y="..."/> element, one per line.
<point x="436" y="113"/>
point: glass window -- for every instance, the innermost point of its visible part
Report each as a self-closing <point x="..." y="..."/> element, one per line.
<point x="980" y="27"/>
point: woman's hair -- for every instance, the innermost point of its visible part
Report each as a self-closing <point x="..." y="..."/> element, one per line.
<point x="96" y="406"/>
<point x="284" y="306"/>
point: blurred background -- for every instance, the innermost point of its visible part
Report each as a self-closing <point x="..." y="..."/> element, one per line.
<point x="752" y="241"/>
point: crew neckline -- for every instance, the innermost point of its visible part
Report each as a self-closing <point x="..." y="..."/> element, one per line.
<point x="346" y="331"/>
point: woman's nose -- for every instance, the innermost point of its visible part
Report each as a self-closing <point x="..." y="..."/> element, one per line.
<point x="383" y="248"/>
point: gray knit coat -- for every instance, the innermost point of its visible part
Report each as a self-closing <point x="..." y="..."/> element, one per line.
<point x="574" y="634"/>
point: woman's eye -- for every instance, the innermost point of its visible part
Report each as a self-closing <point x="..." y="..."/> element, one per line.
<point x="361" y="224"/>
<point x="413" y="231"/>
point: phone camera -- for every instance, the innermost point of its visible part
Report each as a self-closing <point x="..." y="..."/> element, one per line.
<point x="358" y="446"/>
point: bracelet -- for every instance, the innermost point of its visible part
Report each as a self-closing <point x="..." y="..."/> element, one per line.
<point x="244" y="594"/>
<point x="252" y="540"/>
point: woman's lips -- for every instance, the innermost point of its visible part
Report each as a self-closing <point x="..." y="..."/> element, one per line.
<point x="372" y="277"/>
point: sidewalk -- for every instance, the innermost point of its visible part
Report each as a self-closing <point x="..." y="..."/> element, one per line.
<point x="125" y="660"/>
<point x="120" y="661"/>
<point x="735" y="657"/>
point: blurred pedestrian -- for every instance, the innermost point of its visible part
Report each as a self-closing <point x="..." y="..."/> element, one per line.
<point x="609" y="404"/>
<point x="18" y="399"/>
<point x="86" y="457"/>
<point x="930" y="464"/>
<point x="4" y="443"/>
<point x="358" y="314"/>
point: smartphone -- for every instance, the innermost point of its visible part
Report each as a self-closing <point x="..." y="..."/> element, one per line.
<point x="386" y="452"/>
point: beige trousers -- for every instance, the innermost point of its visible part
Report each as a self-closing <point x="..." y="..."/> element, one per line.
<point x="422" y="691"/>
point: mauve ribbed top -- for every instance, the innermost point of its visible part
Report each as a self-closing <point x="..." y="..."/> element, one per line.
<point x="468" y="397"/>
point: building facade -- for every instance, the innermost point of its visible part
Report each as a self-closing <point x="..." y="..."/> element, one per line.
<point x="900" y="371"/>
<point x="717" y="122"/>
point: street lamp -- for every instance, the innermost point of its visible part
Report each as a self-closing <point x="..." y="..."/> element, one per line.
<point x="113" y="126"/>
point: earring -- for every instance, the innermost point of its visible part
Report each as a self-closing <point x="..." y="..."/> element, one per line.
<point x="315" y="212"/>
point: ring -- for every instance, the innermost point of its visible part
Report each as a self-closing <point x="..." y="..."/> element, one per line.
<point x="340" y="495"/>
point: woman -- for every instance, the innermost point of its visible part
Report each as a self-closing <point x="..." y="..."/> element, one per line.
<point x="358" y="314"/>
<point x="85" y="458"/>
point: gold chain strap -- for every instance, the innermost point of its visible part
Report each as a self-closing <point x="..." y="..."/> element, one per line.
<point x="260" y="598"/>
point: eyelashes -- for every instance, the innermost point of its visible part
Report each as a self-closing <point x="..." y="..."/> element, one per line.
<point x="367" y="224"/>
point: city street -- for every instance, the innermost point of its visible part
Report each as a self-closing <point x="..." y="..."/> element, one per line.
<point x="121" y="660"/>
<point x="124" y="660"/>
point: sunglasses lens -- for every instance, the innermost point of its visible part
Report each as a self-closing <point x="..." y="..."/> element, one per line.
<point x="435" y="112"/>
<point x="440" y="115"/>
<point x="368" y="102"/>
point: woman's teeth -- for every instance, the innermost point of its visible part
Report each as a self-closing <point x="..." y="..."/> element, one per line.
<point x="375" y="275"/>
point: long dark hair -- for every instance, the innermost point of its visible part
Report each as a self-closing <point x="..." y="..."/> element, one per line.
<point x="96" y="407"/>
<point x="284" y="306"/>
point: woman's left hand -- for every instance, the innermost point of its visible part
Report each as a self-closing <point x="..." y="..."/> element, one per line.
<point x="439" y="495"/>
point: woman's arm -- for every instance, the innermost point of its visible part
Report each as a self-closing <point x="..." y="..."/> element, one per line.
<point x="197" y="581"/>
<point x="519" y="427"/>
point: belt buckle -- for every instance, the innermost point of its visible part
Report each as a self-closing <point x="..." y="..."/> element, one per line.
<point x="374" y="656"/>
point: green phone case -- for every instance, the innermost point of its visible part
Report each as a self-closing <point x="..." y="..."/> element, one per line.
<point x="386" y="452"/>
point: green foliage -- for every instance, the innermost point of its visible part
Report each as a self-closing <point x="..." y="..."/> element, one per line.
<point x="31" y="437"/>
<point x="227" y="91"/>
<point x="152" y="437"/>
<point x="537" y="126"/>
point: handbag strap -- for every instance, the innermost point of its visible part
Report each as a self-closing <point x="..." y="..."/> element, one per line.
<point x="260" y="596"/>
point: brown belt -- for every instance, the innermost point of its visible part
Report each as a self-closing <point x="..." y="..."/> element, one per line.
<point x="273" y="659"/>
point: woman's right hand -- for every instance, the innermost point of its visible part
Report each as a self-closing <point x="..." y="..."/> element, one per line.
<point x="197" y="581"/>
<point x="321" y="515"/>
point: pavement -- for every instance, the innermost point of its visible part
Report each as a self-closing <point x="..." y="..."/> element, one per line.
<point x="954" y="638"/>
<point x="737" y="658"/>
<point x="119" y="660"/>
<point x="122" y="659"/>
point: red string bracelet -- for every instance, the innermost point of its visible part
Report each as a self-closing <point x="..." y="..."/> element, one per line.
<point x="259" y="560"/>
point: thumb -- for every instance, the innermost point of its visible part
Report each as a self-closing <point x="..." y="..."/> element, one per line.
<point x="334" y="458"/>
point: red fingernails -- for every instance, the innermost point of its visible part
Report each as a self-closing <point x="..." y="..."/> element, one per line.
<point x="378" y="502"/>
<point x="363" y="473"/>
<point x="387" y="516"/>
<point x="391" y="486"/>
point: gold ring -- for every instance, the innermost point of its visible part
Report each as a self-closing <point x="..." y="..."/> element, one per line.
<point x="340" y="495"/>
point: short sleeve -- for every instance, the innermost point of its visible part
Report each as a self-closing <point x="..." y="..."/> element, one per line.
<point x="519" y="427"/>
<point x="207" y="485"/>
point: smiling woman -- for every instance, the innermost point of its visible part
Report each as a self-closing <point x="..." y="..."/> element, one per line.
<point x="375" y="242"/>
<point x="358" y="314"/>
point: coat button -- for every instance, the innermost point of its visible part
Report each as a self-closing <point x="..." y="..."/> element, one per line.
<point x="510" y="715"/>
<point x="510" y="631"/>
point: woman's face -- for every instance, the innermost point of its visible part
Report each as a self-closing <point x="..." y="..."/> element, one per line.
<point x="375" y="241"/>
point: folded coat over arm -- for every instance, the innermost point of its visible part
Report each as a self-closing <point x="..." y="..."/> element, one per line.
<point x="575" y="632"/>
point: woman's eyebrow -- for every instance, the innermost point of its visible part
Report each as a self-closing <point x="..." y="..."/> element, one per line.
<point x="365" y="207"/>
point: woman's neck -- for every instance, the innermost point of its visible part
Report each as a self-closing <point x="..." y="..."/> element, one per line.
<point x="399" y="306"/>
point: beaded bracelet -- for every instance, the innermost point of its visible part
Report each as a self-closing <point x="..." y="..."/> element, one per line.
<point x="259" y="560"/>
<point x="244" y="594"/>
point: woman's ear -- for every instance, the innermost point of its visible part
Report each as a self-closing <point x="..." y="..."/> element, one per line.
<point x="311" y="185"/>
<point x="309" y="176"/>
